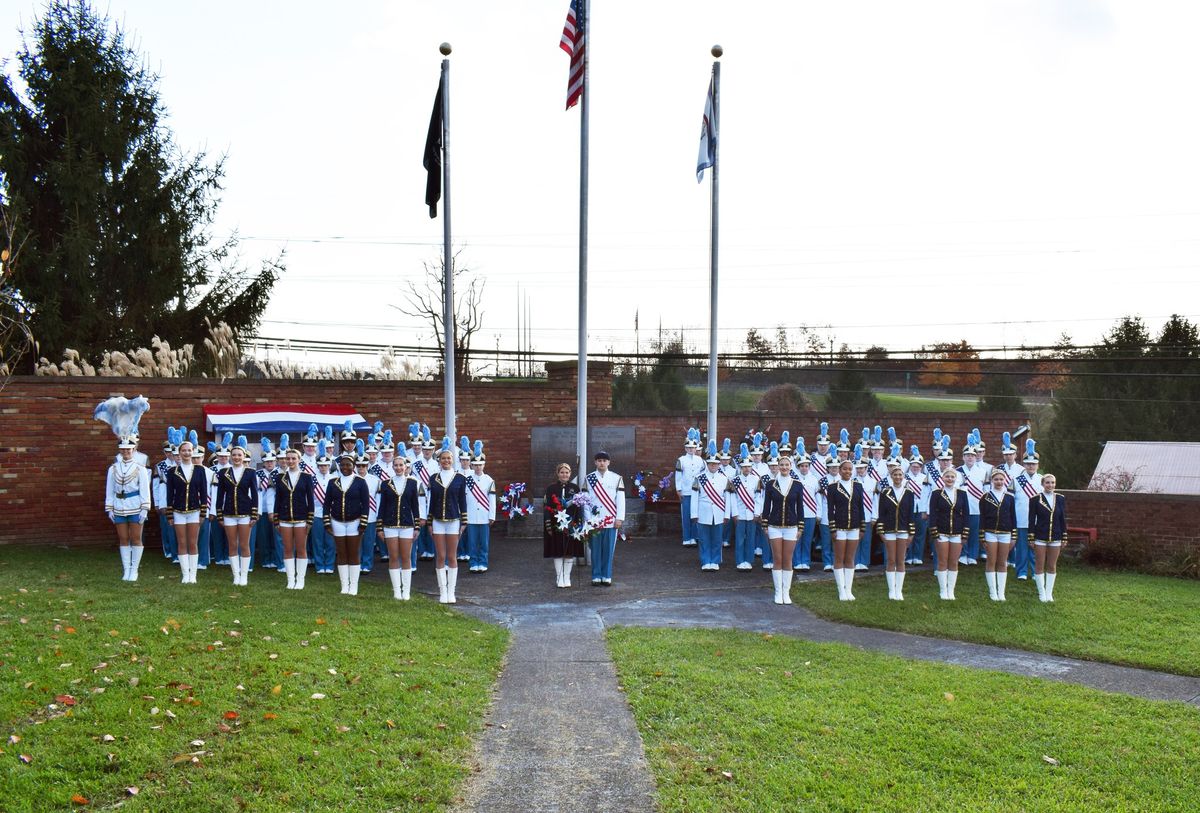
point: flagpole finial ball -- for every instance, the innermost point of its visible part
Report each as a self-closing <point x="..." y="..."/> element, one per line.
<point x="444" y="48"/>
<point x="717" y="50"/>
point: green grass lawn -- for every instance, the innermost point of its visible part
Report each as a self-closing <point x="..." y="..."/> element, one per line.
<point x="893" y="402"/>
<point x="215" y="698"/>
<point x="728" y="400"/>
<point x="738" y="721"/>
<point x="1100" y="615"/>
<point x="745" y="400"/>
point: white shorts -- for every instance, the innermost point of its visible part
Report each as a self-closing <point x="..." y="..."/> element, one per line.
<point x="849" y="536"/>
<point x="344" y="528"/>
<point x="892" y="537"/>
<point x="233" y="522"/>
<point x="292" y="524"/>
<point x="445" y="527"/>
<point x="187" y="517"/>
<point x="397" y="533"/>
<point x="1002" y="538"/>
<point x="953" y="540"/>
<point x="1041" y="543"/>
<point x="786" y="534"/>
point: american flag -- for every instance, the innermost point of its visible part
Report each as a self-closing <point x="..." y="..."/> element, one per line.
<point x="573" y="43"/>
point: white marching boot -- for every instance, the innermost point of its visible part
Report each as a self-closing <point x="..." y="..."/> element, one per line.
<point x="568" y="563"/>
<point x="899" y="585"/>
<point x="405" y="584"/>
<point x="354" y="571"/>
<point x="289" y="567"/>
<point x="126" y="552"/>
<point x="1001" y="582"/>
<point x="1050" y="577"/>
<point x="135" y="559"/>
<point x="777" y="580"/>
<point x="397" y="589"/>
<point x="344" y="576"/>
<point x="890" y="575"/>
<point x="990" y="578"/>
<point x="442" y="577"/>
<point x="786" y="587"/>
<point x="451" y="583"/>
<point x="1039" y="579"/>
<point x="848" y="578"/>
<point x="301" y="572"/>
<point x="951" y="580"/>
<point x="558" y="572"/>
<point x="941" y="580"/>
<point x="840" y="582"/>
<point x="235" y="569"/>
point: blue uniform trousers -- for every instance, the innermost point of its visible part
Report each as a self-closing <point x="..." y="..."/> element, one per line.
<point x="423" y="546"/>
<point x="709" y="539"/>
<point x="803" y="552"/>
<point x="862" y="556"/>
<point x="762" y="543"/>
<point x="1022" y="555"/>
<point x="971" y="548"/>
<point x="264" y="543"/>
<point x="689" y="524"/>
<point x="367" y="546"/>
<point x="216" y="549"/>
<point x="825" y="539"/>
<point x="204" y="543"/>
<point x="916" y="547"/>
<point x="478" y="541"/>
<point x="603" y="544"/>
<point x="745" y="536"/>
<point x="167" y="531"/>
<point x="320" y="546"/>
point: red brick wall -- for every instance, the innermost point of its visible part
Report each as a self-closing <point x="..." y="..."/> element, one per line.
<point x="1171" y="522"/>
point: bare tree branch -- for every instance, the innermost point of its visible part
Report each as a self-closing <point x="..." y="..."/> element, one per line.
<point x="424" y="299"/>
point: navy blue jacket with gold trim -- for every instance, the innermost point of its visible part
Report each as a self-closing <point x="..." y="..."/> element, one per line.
<point x="845" y="510"/>
<point x="237" y="498"/>
<point x="948" y="518"/>
<point x="1048" y="523"/>
<point x="187" y="495"/>
<point x="997" y="516"/>
<point x="895" y="516"/>
<point x="349" y="505"/>
<point x="447" y="503"/>
<point x="399" y="509"/>
<point x="782" y="510"/>
<point x="293" y="503"/>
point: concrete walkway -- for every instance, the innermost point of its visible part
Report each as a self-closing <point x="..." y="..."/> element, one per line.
<point x="560" y="734"/>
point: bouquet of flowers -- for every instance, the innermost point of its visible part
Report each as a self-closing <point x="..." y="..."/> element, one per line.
<point x="639" y="482"/>
<point x="590" y="519"/>
<point x="512" y="503"/>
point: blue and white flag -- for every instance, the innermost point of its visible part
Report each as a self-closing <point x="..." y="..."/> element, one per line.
<point x="708" y="137"/>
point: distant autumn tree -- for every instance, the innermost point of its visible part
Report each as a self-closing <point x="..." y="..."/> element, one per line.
<point x="951" y="365"/>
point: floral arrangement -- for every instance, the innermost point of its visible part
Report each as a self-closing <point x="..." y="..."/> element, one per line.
<point x="663" y="485"/>
<point x="589" y="512"/>
<point x="512" y="503"/>
<point x="639" y="480"/>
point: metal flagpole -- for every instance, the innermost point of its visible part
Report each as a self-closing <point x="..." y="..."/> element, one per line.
<point x="581" y="387"/>
<point x="447" y="257"/>
<point x="712" y="262"/>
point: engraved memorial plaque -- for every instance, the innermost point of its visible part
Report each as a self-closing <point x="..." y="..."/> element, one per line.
<point x="551" y="445"/>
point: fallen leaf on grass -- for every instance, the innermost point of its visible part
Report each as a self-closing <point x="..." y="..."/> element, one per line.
<point x="270" y="716"/>
<point x="342" y="729"/>
<point x="230" y="715"/>
<point x="727" y="774"/>
<point x="108" y="738"/>
<point x="276" y="689"/>
<point x="389" y="724"/>
<point x="440" y="726"/>
<point x="131" y="790"/>
<point x="318" y="696"/>
<point x="949" y="696"/>
<point x="273" y="656"/>
<point x="13" y="739"/>
<point x="71" y="631"/>
<point x="79" y="800"/>
<point x="197" y="743"/>
<point x="153" y="710"/>
<point x="331" y="671"/>
<point x="26" y="758"/>
<point x="1049" y="760"/>
<point x="320" y="620"/>
<point x="224" y="729"/>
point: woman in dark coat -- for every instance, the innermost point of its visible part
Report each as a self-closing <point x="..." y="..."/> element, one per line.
<point x="558" y="544"/>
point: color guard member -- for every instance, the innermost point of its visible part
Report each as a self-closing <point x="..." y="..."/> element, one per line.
<point x="608" y="488"/>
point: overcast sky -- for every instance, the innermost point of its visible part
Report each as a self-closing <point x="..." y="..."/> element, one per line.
<point x="907" y="173"/>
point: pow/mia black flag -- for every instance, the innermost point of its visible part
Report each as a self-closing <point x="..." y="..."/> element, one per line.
<point x="433" y="155"/>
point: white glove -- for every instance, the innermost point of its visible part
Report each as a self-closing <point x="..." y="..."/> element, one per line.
<point x="111" y="518"/>
<point x="143" y="517"/>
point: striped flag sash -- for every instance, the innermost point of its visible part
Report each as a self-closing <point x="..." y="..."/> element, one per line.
<point x="1026" y="486"/>
<point x="477" y="492"/>
<point x="1007" y="478"/>
<point x="319" y="492"/>
<point x="913" y="486"/>
<point x="972" y="487"/>
<point x="422" y="472"/>
<point x="306" y="468"/>
<point x="868" y="503"/>
<point x="744" y="495"/>
<point x="935" y="475"/>
<point x="810" y="501"/>
<point x="874" y="472"/>
<point x="263" y="477"/>
<point x="602" y="495"/>
<point x="373" y="503"/>
<point x="711" y="491"/>
<point x="818" y="464"/>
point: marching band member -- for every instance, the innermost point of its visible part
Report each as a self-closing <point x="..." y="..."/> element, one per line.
<point x="423" y="468"/>
<point x="948" y="515"/>
<point x="187" y="498"/>
<point x="481" y="511"/>
<point x="810" y="492"/>
<point x="846" y="518"/>
<point x="821" y="461"/>
<point x="781" y="513"/>
<point x="843" y="446"/>
<point x="214" y="550"/>
<point x="709" y="505"/>
<point x="158" y="491"/>
<point x="730" y="472"/>
<point x="267" y="540"/>
<point x="347" y="503"/>
<point x="687" y="466"/>
<point x="127" y="503"/>
<point x="308" y="450"/>
<point x="362" y="465"/>
<point x="863" y="473"/>
<point x="558" y="543"/>
<point x="399" y="515"/>
<point x="319" y="541"/>
<point x="745" y="488"/>
<point x="349" y="441"/>
<point x="1011" y="469"/>
<point x="896" y="510"/>
<point x="608" y="488"/>
<point x="975" y="477"/>
<point x="997" y="518"/>
<point x="237" y="509"/>
<point x="384" y="470"/>
<point x="919" y="484"/>
<point x="463" y="554"/>
<point x="1048" y="524"/>
<point x="292" y="511"/>
<point x="447" y="513"/>
<point x="762" y="547"/>
<point x="413" y="452"/>
<point x="1027" y="487"/>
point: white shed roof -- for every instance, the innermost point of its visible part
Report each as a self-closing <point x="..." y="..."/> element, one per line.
<point x="1155" y="467"/>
